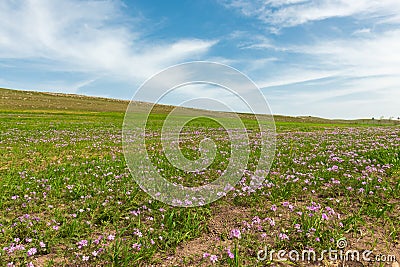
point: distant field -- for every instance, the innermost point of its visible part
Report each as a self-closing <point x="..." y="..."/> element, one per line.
<point x="67" y="197"/>
<point x="38" y="102"/>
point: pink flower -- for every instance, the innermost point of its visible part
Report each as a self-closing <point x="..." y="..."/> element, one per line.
<point x="205" y="255"/>
<point x="236" y="233"/>
<point x="213" y="258"/>
<point x="283" y="236"/>
<point x="137" y="232"/>
<point x="85" y="258"/>
<point x="334" y="168"/>
<point x="82" y="243"/>
<point x="230" y="254"/>
<point x="136" y="246"/>
<point x="42" y="245"/>
<point x="19" y="247"/>
<point x="263" y="235"/>
<point x="330" y="210"/>
<point x="271" y="221"/>
<point x="32" y="251"/>
<point x="97" y="241"/>
<point x="324" y="216"/>
<point x="273" y="208"/>
<point x="110" y="237"/>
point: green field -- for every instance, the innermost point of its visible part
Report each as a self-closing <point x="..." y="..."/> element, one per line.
<point x="68" y="199"/>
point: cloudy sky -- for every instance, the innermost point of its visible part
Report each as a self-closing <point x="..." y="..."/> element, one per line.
<point x="328" y="58"/>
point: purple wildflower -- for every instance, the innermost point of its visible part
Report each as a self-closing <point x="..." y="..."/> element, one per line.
<point x="213" y="258"/>
<point x="230" y="254"/>
<point x="236" y="233"/>
<point x="31" y="252"/>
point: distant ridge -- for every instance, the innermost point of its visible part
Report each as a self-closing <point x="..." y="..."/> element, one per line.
<point x="32" y="101"/>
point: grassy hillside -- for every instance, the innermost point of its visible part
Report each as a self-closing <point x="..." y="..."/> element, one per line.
<point x="42" y="102"/>
<point x="38" y="101"/>
<point x="68" y="199"/>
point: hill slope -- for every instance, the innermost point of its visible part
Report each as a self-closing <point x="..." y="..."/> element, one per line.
<point x="31" y="101"/>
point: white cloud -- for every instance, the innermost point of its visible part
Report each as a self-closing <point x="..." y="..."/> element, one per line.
<point x="363" y="31"/>
<point x="376" y="54"/>
<point x="87" y="36"/>
<point x="293" y="76"/>
<point x="287" y="13"/>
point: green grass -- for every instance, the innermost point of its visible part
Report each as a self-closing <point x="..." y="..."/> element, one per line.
<point x="64" y="182"/>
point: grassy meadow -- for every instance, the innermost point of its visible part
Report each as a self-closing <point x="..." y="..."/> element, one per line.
<point x="68" y="199"/>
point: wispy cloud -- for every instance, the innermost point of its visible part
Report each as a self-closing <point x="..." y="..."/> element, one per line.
<point x="93" y="37"/>
<point x="377" y="54"/>
<point x="289" y="77"/>
<point x="289" y="13"/>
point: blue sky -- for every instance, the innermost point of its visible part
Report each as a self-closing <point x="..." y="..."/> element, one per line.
<point x="328" y="58"/>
